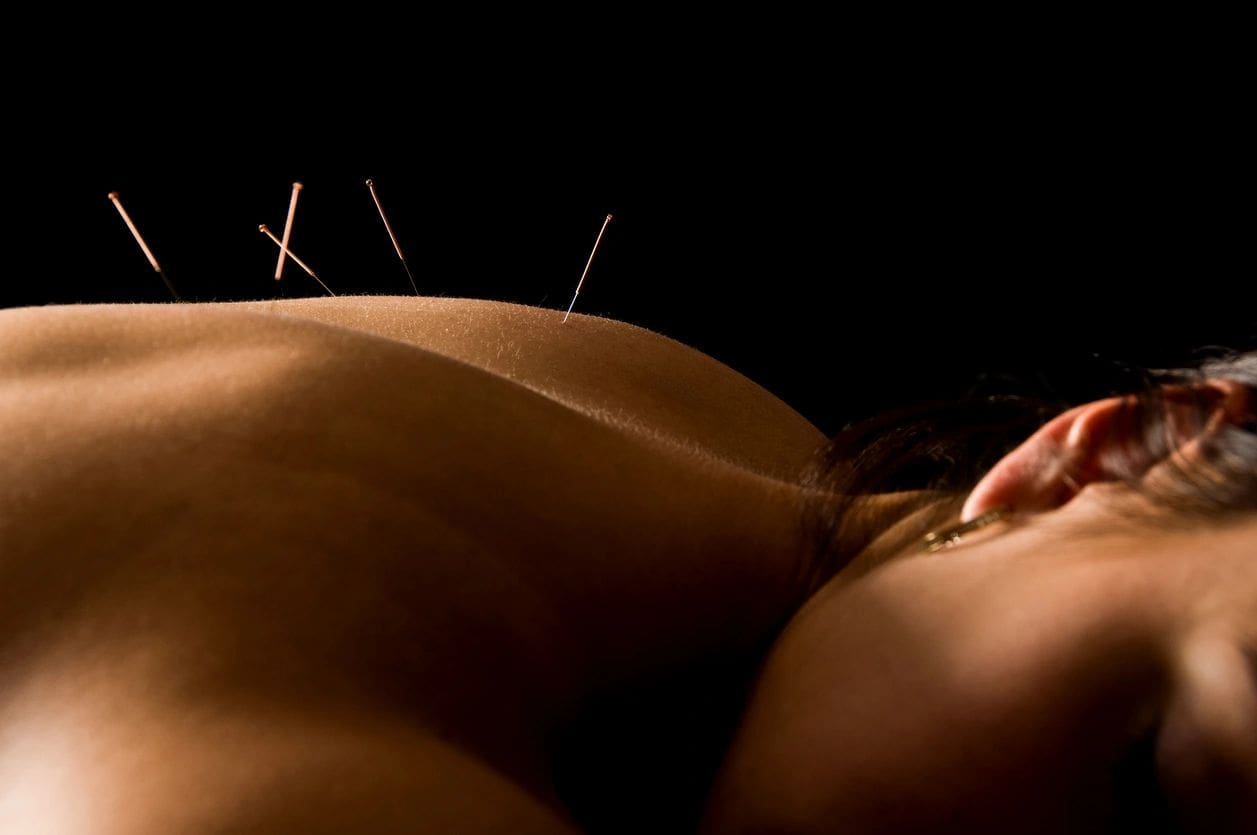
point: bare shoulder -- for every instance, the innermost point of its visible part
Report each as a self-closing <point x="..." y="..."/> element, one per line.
<point x="609" y="370"/>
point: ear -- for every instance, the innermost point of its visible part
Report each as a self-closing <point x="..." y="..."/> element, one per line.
<point x="1090" y="444"/>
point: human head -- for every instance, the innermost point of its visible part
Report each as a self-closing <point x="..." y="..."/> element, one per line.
<point x="1090" y="665"/>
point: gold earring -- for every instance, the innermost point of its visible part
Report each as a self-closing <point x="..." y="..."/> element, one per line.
<point x="947" y="537"/>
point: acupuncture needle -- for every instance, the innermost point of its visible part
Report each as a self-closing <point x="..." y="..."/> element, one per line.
<point x="148" y="253"/>
<point x="283" y="248"/>
<point x="265" y="230"/>
<point x="592" y="253"/>
<point x="388" y="228"/>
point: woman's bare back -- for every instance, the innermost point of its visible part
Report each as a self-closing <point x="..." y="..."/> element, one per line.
<point x="350" y="564"/>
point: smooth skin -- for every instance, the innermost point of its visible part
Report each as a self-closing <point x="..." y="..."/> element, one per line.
<point x="353" y="564"/>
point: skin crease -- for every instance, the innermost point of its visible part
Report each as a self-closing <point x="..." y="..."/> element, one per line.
<point x="352" y="564"/>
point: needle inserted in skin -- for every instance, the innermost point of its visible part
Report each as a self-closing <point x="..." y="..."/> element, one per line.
<point x="265" y="230"/>
<point x="391" y="236"/>
<point x="592" y="253"/>
<point x="148" y="253"/>
<point x="283" y="248"/>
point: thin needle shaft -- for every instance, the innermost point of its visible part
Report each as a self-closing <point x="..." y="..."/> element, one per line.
<point x="292" y="211"/>
<point x="388" y="228"/>
<point x="139" y="239"/>
<point x="265" y="230"/>
<point x="592" y="253"/>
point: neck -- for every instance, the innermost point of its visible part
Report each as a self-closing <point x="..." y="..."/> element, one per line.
<point x="681" y="635"/>
<point x="705" y="613"/>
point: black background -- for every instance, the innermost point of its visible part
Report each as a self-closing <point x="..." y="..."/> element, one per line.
<point x="850" y="246"/>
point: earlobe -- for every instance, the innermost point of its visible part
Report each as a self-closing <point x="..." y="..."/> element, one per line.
<point x="1090" y="443"/>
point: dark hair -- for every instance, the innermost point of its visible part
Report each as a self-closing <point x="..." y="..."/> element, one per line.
<point x="939" y="451"/>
